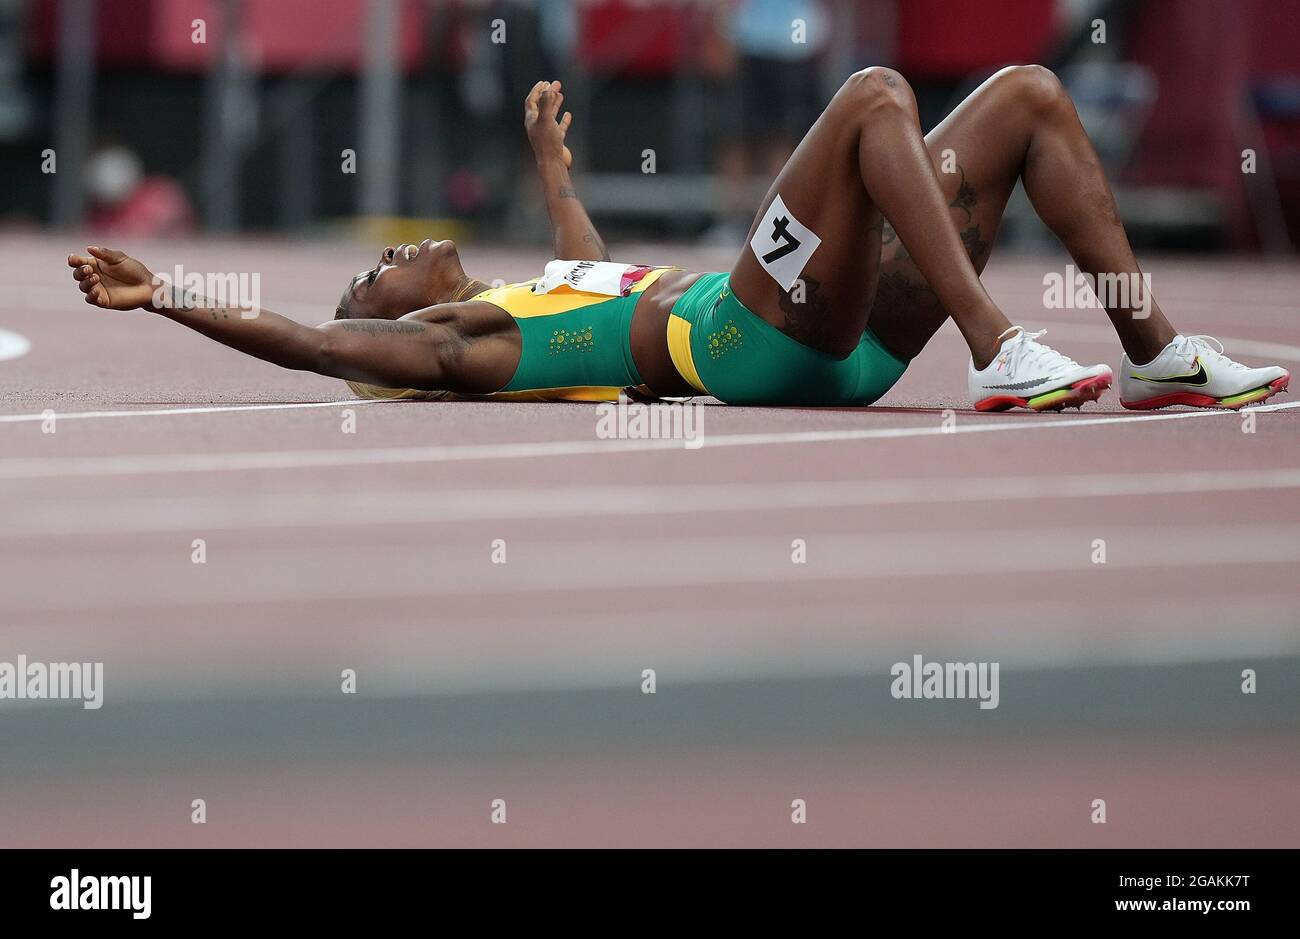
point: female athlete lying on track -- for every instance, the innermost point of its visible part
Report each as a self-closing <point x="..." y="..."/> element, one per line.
<point x="861" y="250"/>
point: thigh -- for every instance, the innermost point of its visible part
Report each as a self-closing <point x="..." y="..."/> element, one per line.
<point x="810" y="261"/>
<point x="978" y="152"/>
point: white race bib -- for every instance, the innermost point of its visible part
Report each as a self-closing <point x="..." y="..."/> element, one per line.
<point x="606" y="278"/>
<point x="782" y="245"/>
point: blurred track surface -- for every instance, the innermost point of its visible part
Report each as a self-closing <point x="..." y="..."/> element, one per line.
<point x="521" y="681"/>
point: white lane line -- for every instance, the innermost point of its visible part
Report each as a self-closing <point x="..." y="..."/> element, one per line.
<point x="12" y="345"/>
<point x="350" y="507"/>
<point x="307" y="459"/>
<point x="166" y="412"/>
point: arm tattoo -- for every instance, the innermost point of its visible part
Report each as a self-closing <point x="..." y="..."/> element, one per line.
<point x="591" y="238"/>
<point x="188" y="301"/>
<point x="568" y="192"/>
<point x="185" y="300"/>
<point x="382" y="327"/>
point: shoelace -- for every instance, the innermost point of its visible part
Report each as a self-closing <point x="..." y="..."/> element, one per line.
<point x="1027" y="351"/>
<point x="1192" y="346"/>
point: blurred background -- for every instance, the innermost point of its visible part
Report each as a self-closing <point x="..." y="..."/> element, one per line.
<point x="167" y="116"/>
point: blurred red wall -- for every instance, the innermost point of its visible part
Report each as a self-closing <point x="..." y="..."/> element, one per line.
<point x="947" y="39"/>
<point x="279" y="35"/>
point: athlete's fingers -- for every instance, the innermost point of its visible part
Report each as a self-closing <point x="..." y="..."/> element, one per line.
<point x="107" y="255"/>
<point x="88" y="284"/>
<point x="81" y="273"/>
<point x="530" y="103"/>
<point x="77" y="260"/>
<point x="548" y="103"/>
<point x="566" y="121"/>
<point x="97" y="294"/>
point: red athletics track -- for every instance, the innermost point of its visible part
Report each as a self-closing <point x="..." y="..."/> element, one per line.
<point x="521" y="681"/>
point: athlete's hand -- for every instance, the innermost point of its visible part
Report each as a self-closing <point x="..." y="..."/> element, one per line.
<point x="112" y="280"/>
<point x="545" y="131"/>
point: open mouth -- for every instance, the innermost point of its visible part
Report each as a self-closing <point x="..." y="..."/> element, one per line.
<point x="411" y="252"/>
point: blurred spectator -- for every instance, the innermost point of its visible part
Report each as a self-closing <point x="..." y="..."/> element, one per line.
<point x="123" y="201"/>
<point x="774" y="50"/>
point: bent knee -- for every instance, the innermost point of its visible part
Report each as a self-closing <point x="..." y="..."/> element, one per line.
<point x="1034" y="86"/>
<point x="875" y="87"/>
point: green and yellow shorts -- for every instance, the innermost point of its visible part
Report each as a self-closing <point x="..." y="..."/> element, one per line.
<point x="724" y="350"/>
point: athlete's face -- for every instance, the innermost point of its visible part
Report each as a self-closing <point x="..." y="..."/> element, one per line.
<point x="406" y="278"/>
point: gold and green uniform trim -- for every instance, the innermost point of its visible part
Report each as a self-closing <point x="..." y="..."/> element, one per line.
<point x="571" y="339"/>
<point x="679" y="350"/>
<point x="722" y="348"/>
<point x="576" y="346"/>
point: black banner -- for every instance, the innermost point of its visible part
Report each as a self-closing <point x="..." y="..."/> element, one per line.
<point x="169" y="888"/>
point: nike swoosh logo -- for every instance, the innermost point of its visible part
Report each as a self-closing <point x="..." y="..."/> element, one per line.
<point x="1198" y="377"/>
<point x="1022" y="385"/>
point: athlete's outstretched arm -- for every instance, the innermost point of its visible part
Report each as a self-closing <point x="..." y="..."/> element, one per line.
<point x="405" y="353"/>
<point x="576" y="238"/>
